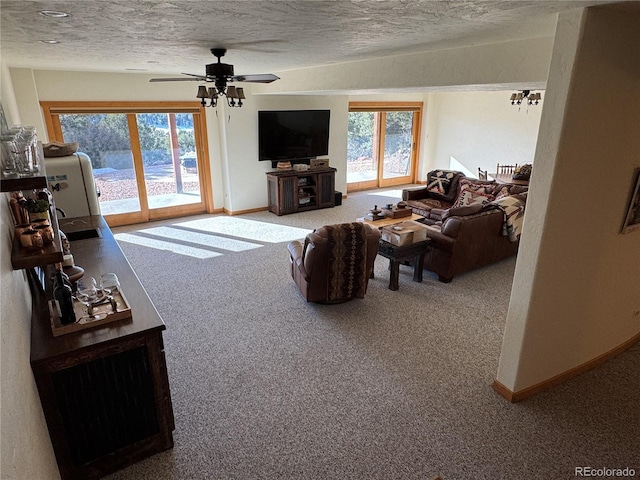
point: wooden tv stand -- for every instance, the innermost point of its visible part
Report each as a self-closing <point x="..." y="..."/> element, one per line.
<point x="291" y="191"/>
<point x="105" y="390"/>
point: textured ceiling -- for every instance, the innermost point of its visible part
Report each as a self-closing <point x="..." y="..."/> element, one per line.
<point x="174" y="36"/>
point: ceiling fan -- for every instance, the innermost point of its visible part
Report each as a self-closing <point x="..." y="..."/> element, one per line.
<point x="220" y="74"/>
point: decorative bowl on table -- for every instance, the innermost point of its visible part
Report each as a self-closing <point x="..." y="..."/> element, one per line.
<point x="523" y="172"/>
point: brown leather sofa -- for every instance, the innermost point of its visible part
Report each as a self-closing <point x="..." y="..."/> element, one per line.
<point x="466" y="237"/>
<point x="335" y="262"/>
<point x="432" y="204"/>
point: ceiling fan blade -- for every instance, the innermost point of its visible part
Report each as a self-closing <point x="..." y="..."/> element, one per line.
<point x="192" y="79"/>
<point x="257" y="78"/>
<point x="194" y="75"/>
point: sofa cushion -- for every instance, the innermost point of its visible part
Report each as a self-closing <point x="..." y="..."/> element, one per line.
<point x="440" y="181"/>
<point x="424" y="206"/>
<point x="473" y="192"/>
<point x="477" y="186"/>
<point x="436" y="214"/>
<point x="469" y="197"/>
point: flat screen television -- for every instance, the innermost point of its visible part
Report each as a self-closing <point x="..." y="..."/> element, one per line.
<point x="292" y="135"/>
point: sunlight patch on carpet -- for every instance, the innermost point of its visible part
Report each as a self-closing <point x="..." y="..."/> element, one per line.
<point x="248" y="229"/>
<point x="205" y="239"/>
<point x="169" y="246"/>
<point x="394" y="194"/>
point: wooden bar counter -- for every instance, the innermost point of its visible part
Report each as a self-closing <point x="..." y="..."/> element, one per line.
<point x="104" y="390"/>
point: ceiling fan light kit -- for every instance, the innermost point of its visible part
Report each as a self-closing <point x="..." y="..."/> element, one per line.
<point x="220" y="74"/>
<point x="532" y="98"/>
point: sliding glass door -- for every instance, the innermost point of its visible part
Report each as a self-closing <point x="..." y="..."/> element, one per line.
<point x="169" y="159"/>
<point x="146" y="164"/>
<point x="382" y="144"/>
<point x="398" y="146"/>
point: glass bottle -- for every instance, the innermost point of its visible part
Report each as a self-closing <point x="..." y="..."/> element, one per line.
<point x="62" y="293"/>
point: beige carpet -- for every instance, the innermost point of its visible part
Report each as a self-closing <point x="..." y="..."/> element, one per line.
<point x="393" y="386"/>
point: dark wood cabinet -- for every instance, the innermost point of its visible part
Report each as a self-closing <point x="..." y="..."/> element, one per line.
<point x="292" y="191"/>
<point x="104" y="391"/>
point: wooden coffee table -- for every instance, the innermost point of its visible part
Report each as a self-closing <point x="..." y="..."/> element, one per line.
<point x="399" y="254"/>
<point x="389" y="221"/>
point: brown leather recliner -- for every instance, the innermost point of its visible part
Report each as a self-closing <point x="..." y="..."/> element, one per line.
<point x="335" y="262"/>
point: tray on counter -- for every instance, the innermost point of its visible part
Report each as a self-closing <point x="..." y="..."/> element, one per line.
<point x="102" y="314"/>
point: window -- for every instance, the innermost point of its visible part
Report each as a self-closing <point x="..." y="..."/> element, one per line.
<point x="382" y="144"/>
<point x="149" y="159"/>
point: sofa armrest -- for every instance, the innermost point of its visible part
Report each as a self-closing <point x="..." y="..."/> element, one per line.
<point x="462" y="211"/>
<point x="415" y="193"/>
<point x="451" y="226"/>
<point x="296" y="250"/>
<point x="476" y="226"/>
<point x="440" y="240"/>
<point x="471" y="218"/>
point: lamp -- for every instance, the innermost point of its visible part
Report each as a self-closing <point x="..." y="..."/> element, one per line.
<point x="532" y="98"/>
<point x="234" y="95"/>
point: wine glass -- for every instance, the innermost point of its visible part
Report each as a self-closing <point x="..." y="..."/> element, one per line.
<point x="109" y="283"/>
<point x="87" y="293"/>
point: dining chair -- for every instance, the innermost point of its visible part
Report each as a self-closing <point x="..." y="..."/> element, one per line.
<point x="482" y="174"/>
<point x="505" y="168"/>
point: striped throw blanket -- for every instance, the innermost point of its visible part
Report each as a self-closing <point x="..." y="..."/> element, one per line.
<point x="347" y="260"/>
<point x="513" y="209"/>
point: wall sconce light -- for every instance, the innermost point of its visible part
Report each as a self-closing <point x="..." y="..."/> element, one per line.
<point x="532" y="98"/>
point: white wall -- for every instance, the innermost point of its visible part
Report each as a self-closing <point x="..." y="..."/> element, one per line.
<point x="238" y="179"/>
<point x="26" y="447"/>
<point x="522" y="63"/>
<point x="576" y="292"/>
<point x="7" y="94"/>
<point x="481" y="129"/>
<point x="26" y="95"/>
<point x="248" y="181"/>
<point x="477" y="128"/>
